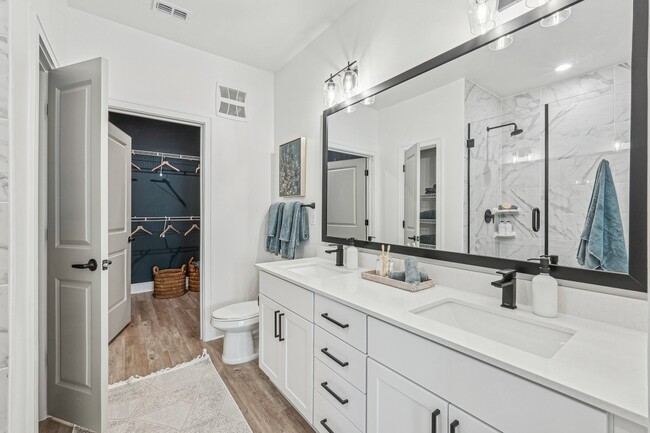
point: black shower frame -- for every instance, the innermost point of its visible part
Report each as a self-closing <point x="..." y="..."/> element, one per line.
<point x="636" y="279"/>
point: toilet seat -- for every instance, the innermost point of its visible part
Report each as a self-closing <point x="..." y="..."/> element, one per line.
<point x="237" y="312"/>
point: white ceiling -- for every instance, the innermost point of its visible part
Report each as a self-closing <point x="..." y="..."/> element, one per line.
<point x="597" y="34"/>
<point x="265" y="34"/>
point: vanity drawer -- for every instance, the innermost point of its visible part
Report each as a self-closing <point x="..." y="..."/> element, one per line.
<point x="326" y="415"/>
<point x="333" y="352"/>
<point x="295" y="298"/>
<point x="339" y="393"/>
<point x="341" y="321"/>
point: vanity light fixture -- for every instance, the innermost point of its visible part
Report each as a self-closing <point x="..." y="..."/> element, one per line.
<point x="536" y="3"/>
<point x="502" y="43"/>
<point x="563" y="67"/>
<point x="333" y="93"/>
<point x="557" y="18"/>
<point x="481" y="16"/>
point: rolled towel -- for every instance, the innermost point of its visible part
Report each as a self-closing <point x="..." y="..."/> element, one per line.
<point x="428" y="214"/>
<point x="401" y="276"/>
<point x="428" y="239"/>
<point x="412" y="273"/>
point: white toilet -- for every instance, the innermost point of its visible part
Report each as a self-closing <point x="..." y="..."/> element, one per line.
<point x="238" y="321"/>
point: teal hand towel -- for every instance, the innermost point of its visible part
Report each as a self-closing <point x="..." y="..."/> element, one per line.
<point x="401" y="276"/>
<point x="411" y="270"/>
<point x="273" y="228"/>
<point x="295" y="227"/>
<point x="602" y="243"/>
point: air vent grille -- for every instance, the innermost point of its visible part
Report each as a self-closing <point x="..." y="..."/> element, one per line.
<point x="171" y="10"/>
<point x="231" y="103"/>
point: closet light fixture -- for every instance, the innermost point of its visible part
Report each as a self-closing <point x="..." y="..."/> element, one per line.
<point x="502" y="43"/>
<point x="536" y="3"/>
<point x="348" y="86"/>
<point x="557" y="18"/>
<point x="481" y="16"/>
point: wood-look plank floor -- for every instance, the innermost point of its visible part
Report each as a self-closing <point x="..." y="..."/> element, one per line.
<point x="164" y="333"/>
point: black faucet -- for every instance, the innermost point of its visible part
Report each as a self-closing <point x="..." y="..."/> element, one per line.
<point x="508" y="284"/>
<point x="339" y="253"/>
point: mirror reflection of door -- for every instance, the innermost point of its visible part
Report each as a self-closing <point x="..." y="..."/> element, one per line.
<point x="411" y="170"/>
<point x="347" y="195"/>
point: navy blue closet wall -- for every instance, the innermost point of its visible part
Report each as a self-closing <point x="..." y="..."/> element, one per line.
<point x="173" y="194"/>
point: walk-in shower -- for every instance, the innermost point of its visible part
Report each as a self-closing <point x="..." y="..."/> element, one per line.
<point x="515" y="132"/>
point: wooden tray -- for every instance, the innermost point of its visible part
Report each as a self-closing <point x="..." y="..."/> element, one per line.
<point x="372" y="276"/>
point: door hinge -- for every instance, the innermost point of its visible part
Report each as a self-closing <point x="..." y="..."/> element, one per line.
<point x="367" y="222"/>
<point x="367" y="172"/>
<point x="403" y="224"/>
<point x="404" y="168"/>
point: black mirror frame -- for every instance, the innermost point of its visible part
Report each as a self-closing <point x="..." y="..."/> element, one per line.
<point x="637" y="277"/>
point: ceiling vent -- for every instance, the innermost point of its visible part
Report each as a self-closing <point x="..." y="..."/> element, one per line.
<point x="171" y="10"/>
<point x="231" y="103"/>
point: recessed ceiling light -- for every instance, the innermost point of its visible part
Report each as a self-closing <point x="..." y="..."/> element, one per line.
<point x="502" y="43"/>
<point x="557" y="18"/>
<point x="563" y="67"/>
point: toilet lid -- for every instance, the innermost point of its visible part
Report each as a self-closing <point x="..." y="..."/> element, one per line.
<point x="241" y="311"/>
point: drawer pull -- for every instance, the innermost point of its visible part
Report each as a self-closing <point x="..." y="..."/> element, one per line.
<point x="276" y="334"/>
<point x="434" y="421"/>
<point x="323" y="422"/>
<point x="336" y="322"/>
<point x="339" y="399"/>
<point x="280" y="327"/>
<point x="334" y="358"/>
<point x="453" y="425"/>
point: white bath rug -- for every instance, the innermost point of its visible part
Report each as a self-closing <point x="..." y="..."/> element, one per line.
<point x="188" y="398"/>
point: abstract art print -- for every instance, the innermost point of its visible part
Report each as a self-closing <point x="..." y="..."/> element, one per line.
<point x="292" y="168"/>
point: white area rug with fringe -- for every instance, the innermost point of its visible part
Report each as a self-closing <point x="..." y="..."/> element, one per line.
<point x="188" y="398"/>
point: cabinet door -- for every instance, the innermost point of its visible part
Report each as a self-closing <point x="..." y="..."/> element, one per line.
<point x="461" y="422"/>
<point x="271" y="350"/>
<point x="396" y="404"/>
<point x="297" y="338"/>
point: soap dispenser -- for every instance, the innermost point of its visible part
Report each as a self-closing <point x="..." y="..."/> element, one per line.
<point x="352" y="256"/>
<point x="545" y="289"/>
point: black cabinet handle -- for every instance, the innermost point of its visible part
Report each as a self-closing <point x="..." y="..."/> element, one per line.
<point x="339" y="399"/>
<point x="434" y="421"/>
<point x="453" y="425"/>
<point x="334" y="358"/>
<point x="323" y="422"/>
<point x="280" y="327"/>
<point x="91" y="265"/>
<point x="536" y="219"/>
<point x="275" y="324"/>
<point x="336" y="322"/>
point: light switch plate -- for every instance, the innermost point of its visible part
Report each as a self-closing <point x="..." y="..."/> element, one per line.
<point x="312" y="217"/>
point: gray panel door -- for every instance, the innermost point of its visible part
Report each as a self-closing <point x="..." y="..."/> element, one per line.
<point x="346" y="199"/>
<point x="119" y="230"/>
<point x="77" y="234"/>
<point x="412" y="195"/>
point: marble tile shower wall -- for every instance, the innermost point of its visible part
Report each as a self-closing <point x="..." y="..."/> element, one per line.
<point x="4" y="214"/>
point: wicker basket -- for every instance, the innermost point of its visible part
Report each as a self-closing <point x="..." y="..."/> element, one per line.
<point x="168" y="283"/>
<point x="195" y="276"/>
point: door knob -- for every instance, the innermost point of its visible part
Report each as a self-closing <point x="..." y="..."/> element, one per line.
<point x="91" y="265"/>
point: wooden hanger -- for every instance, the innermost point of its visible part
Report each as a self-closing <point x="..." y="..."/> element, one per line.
<point x="163" y="164"/>
<point x="194" y="227"/>
<point x="140" y="229"/>
<point x="167" y="229"/>
<point x="135" y="166"/>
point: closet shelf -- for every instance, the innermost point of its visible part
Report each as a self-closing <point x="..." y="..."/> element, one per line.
<point x="427" y="221"/>
<point x="427" y="246"/>
<point x="427" y="196"/>
<point x="166" y="155"/>
<point x="138" y="219"/>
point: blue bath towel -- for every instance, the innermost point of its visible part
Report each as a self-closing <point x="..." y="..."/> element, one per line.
<point x="273" y="228"/>
<point x="411" y="271"/>
<point x="602" y="243"/>
<point x="428" y="214"/>
<point x="295" y="227"/>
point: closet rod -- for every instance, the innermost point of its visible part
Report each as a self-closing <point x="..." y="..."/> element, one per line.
<point x="137" y="219"/>
<point x="166" y="155"/>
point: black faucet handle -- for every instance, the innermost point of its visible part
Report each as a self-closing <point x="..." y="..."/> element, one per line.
<point x="507" y="273"/>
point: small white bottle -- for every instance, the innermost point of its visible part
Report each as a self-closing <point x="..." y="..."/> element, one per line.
<point x="501" y="228"/>
<point x="544" y="290"/>
<point x="352" y="256"/>
<point x="509" y="228"/>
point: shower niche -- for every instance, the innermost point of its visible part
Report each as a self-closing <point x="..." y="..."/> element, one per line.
<point x="498" y="156"/>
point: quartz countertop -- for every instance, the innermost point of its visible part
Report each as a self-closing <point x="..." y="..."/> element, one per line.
<point x="602" y="365"/>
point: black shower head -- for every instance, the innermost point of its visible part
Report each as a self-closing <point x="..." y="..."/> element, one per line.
<point x="515" y="132"/>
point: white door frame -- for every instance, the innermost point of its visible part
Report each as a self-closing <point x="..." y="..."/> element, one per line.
<point x="438" y="143"/>
<point x="205" y="124"/>
<point x="371" y="212"/>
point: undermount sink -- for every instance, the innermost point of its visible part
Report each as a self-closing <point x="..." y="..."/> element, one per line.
<point x="536" y="338"/>
<point x="317" y="271"/>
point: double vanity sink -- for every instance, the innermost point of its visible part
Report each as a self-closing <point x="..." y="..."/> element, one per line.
<point x="521" y="333"/>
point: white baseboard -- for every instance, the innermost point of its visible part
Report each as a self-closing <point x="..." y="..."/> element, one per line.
<point x="145" y="287"/>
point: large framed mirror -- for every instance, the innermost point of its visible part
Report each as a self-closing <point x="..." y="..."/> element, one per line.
<point x="529" y="140"/>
